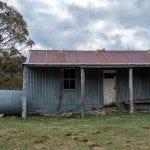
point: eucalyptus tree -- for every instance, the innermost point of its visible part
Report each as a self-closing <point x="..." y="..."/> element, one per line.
<point x="14" y="34"/>
<point x="14" y="37"/>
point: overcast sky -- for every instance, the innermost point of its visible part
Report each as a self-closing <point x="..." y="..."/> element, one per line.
<point x="87" y="24"/>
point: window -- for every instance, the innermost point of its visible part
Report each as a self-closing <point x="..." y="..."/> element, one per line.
<point x="69" y="78"/>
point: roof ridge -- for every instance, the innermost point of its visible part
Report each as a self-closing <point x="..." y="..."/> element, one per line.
<point x="92" y="50"/>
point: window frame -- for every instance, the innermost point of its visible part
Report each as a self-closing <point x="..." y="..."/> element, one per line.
<point x="69" y="79"/>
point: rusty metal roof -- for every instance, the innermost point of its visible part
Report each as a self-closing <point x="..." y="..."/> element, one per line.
<point x="52" y="57"/>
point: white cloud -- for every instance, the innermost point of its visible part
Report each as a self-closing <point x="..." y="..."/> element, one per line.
<point x="57" y="9"/>
<point x="92" y="3"/>
<point x="93" y="44"/>
<point x="87" y="24"/>
<point x="97" y="26"/>
<point x="131" y="38"/>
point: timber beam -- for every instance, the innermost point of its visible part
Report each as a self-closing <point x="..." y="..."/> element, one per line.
<point x="24" y="96"/>
<point x="131" y="90"/>
<point x="82" y="92"/>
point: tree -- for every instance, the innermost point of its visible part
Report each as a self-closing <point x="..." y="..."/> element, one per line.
<point x="14" y="37"/>
<point x="14" y="34"/>
<point x="11" y="72"/>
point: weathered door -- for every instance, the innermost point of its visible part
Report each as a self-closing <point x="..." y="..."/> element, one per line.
<point x="109" y="87"/>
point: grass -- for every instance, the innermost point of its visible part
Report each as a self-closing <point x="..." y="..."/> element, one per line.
<point x="116" y="131"/>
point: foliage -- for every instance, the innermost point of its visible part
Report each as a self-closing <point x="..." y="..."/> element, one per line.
<point x="11" y="72"/>
<point x="14" y="37"/>
<point x="13" y="31"/>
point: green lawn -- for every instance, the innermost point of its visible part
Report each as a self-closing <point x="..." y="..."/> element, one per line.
<point x="114" y="131"/>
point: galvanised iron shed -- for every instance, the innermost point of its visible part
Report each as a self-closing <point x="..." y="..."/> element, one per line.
<point x="61" y="81"/>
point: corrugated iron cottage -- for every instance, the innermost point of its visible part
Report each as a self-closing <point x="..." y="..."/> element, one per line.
<point x="61" y="81"/>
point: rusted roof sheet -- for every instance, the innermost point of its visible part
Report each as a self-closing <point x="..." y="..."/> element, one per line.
<point x="88" y="57"/>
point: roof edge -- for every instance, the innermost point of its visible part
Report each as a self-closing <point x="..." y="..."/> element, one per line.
<point x="90" y="65"/>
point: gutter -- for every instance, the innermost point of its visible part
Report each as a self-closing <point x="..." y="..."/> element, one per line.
<point x="88" y="65"/>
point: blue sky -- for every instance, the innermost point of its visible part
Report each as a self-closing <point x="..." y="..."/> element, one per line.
<point x="87" y="24"/>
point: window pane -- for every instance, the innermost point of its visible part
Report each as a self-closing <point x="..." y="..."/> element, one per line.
<point x="72" y="84"/>
<point x="72" y="73"/>
<point x="66" y="73"/>
<point x="69" y="78"/>
<point x="66" y="84"/>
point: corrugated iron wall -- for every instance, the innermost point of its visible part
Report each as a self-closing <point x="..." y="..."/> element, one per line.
<point x="44" y="91"/>
<point x="10" y="102"/>
<point x="71" y="98"/>
<point x="141" y="82"/>
<point x="122" y="91"/>
<point x="94" y="88"/>
<point x="141" y="85"/>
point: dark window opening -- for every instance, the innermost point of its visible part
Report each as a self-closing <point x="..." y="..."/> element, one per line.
<point x="66" y="84"/>
<point x="69" y="79"/>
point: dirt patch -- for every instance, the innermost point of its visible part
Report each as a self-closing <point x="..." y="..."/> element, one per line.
<point x="72" y="114"/>
<point x="102" y="111"/>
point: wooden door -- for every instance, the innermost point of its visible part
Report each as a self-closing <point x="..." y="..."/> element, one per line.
<point x="109" y="88"/>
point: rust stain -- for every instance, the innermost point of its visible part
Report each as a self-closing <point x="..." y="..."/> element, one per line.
<point x="89" y="57"/>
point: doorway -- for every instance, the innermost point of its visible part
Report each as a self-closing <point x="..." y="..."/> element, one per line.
<point x="109" y="87"/>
